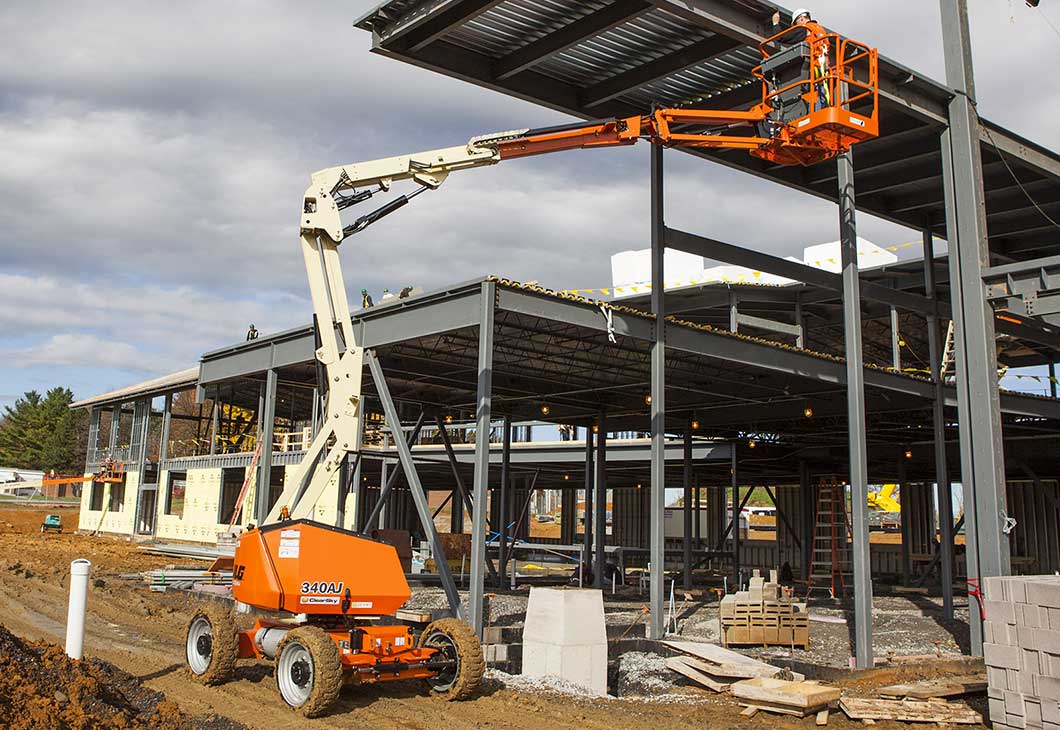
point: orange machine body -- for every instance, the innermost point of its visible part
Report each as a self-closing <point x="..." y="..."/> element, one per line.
<point x="300" y="566"/>
<point x="369" y="652"/>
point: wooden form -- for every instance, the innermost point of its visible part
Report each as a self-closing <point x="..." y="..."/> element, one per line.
<point x="909" y="711"/>
<point x="928" y="688"/>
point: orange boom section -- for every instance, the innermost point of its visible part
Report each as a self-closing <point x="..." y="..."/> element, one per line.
<point x="306" y="567"/>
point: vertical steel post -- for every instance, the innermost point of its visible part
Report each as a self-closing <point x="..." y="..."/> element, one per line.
<point x="906" y="515"/>
<point x="859" y="487"/>
<point x="687" y="532"/>
<point x="734" y="312"/>
<point x="978" y="402"/>
<point x="943" y="490"/>
<point x="483" y="408"/>
<point x="587" y="515"/>
<point x="358" y="493"/>
<point x="264" y="478"/>
<point x="800" y="339"/>
<point x="809" y="517"/>
<point x="1052" y="379"/>
<point x="896" y="346"/>
<point x="736" y="511"/>
<point x="657" y="537"/>
<point x="505" y="493"/>
<point x="600" y="498"/>
<point x="215" y="424"/>
<point x="167" y="419"/>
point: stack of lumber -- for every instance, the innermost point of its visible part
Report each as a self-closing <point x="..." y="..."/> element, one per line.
<point x="1021" y="647"/>
<point x="936" y="711"/>
<point x="762" y="616"/>
<point x="786" y="698"/>
<point x="717" y="668"/>
<point x="928" y="689"/>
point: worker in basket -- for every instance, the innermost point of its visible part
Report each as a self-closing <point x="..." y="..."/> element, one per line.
<point x="804" y="29"/>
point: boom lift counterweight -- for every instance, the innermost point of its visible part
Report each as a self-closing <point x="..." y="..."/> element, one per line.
<point x="819" y="98"/>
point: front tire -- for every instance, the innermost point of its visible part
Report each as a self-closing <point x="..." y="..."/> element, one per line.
<point x="308" y="671"/>
<point x="212" y="645"/>
<point x="456" y="641"/>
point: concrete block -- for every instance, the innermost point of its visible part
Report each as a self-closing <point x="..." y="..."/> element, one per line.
<point x="1050" y="711"/>
<point x="1027" y="615"/>
<point x="1025" y="683"/>
<point x="1000" y="611"/>
<point x="564" y="637"/>
<point x="1047" y="641"/>
<point x="1016" y="589"/>
<point x="1014" y="704"/>
<point x="996" y="678"/>
<point x="1047" y="688"/>
<point x="997" y="655"/>
<point x="1043" y="592"/>
<point x="1026" y="637"/>
<point x="1053" y="615"/>
<point x="1050" y="664"/>
<point x="1033" y="711"/>
<point x="1030" y="662"/>
<point x="994" y="588"/>
<point x="1016" y="721"/>
<point x="988" y="633"/>
<point x="997" y="710"/>
<point x="1050" y="725"/>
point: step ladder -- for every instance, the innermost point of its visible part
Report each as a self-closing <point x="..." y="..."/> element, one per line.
<point x="948" y="366"/>
<point x="832" y="561"/>
<point x="252" y="471"/>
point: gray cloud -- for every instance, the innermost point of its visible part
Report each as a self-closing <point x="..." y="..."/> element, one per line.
<point x="154" y="156"/>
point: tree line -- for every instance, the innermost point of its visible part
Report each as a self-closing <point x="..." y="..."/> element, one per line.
<point x="42" y="433"/>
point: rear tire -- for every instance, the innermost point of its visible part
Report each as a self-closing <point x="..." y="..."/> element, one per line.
<point x="308" y="671"/>
<point x="212" y="645"/>
<point x="455" y="640"/>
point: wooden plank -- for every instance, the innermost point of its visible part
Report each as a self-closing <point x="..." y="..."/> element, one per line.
<point x="926" y="689"/>
<point x="749" y="711"/>
<point x="732" y="671"/>
<point x="801" y="695"/>
<point x="779" y="709"/>
<point x="822" y="717"/>
<point x="732" y="662"/>
<point x="908" y="711"/>
<point x="678" y="664"/>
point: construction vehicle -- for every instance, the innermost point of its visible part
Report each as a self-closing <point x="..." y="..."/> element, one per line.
<point x="334" y="586"/>
<point x="52" y="523"/>
<point x="884" y="500"/>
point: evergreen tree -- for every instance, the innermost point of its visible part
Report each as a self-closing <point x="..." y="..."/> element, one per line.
<point x="44" y="433"/>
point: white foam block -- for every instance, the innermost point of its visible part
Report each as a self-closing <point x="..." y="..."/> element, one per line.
<point x="565" y="637"/>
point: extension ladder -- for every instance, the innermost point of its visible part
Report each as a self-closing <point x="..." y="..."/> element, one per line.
<point x="830" y="567"/>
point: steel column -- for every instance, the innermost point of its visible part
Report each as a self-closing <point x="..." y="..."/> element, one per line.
<point x="167" y="418"/>
<point x="657" y="537"/>
<point x="1052" y="379"/>
<point x="982" y="461"/>
<point x="268" y="420"/>
<point x="504" y="508"/>
<point x="587" y="517"/>
<point x="483" y="408"/>
<point x="859" y="479"/>
<point x="938" y="415"/>
<point x="419" y="497"/>
<point x="215" y="422"/>
<point x="896" y="347"/>
<point x="737" y="510"/>
<point x="600" y="499"/>
<point x="809" y="517"/>
<point x="687" y="532"/>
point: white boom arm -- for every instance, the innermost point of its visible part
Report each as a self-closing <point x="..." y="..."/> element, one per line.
<point x="329" y="192"/>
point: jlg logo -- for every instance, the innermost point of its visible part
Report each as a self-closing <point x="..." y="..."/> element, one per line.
<point x="238" y="571"/>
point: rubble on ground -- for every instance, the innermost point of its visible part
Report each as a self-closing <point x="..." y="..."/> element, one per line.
<point x="41" y="688"/>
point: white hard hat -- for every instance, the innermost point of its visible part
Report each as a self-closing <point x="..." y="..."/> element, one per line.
<point x="799" y="11"/>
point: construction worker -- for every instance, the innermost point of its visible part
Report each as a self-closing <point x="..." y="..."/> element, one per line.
<point x="252" y="333"/>
<point x="366" y="300"/>
<point x="387" y="294"/>
<point x="406" y="292"/>
<point x="804" y="29"/>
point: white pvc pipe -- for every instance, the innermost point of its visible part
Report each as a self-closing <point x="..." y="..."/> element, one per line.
<point x="75" y="615"/>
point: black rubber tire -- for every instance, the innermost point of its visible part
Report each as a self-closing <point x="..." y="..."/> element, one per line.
<point x="470" y="663"/>
<point x="224" y="644"/>
<point x="327" y="669"/>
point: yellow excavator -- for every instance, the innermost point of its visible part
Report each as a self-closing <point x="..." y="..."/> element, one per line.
<point x="884" y="500"/>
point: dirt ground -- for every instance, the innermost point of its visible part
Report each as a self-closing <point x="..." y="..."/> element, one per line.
<point x="142" y="633"/>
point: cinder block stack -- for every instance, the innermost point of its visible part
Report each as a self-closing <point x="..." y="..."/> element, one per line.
<point x="762" y="616"/>
<point x="1021" y="646"/>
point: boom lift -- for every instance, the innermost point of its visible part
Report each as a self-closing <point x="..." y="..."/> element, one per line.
<point x="818" y="99"/>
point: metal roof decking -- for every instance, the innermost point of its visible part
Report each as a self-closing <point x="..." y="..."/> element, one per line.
<point x="598" y="59"/>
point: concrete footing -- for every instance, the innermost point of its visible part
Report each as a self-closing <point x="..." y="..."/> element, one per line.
<point x="565" y="637"/>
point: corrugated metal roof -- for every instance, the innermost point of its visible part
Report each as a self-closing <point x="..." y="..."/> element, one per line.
<point x="156" y="386"/>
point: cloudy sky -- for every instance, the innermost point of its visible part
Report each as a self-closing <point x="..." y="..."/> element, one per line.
<point x="153" y="155"/>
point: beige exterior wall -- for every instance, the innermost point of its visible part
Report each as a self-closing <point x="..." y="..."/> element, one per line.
<point x="106" y="520"/>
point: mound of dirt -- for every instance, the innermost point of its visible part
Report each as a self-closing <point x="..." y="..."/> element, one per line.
<point x="41" y="688"/>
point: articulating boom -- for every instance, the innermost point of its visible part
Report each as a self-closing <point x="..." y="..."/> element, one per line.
<point x="819" y="97"/>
